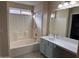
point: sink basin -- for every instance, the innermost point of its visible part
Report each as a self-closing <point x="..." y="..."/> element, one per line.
<point x="54" y="36"/>
<point x="51" y="38"/>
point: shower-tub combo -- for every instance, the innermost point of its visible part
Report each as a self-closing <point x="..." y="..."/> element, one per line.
<point x="20" y="32"/>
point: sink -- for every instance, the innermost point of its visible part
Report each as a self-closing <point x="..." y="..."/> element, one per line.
<point x="54" y="36"/>
<point x="51" y="38"/>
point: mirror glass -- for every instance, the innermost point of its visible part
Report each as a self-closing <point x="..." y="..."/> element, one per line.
<point x="61" y="23"/>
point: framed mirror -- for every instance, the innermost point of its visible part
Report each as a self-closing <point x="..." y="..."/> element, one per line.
<point x="61" y="21"/>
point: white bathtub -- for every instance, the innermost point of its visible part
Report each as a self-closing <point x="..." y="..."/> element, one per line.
<point x="22" y="47"/>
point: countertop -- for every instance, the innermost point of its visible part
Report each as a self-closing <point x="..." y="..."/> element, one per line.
<point x="64" y="42"/>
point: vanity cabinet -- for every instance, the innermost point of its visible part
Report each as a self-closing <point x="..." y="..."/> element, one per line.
<point x="42" y="46"/>
<point x="50" y="50"/>
<point x="46" y="48"/>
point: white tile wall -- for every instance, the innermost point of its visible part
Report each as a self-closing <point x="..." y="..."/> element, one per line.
<point x="19" y="27"/>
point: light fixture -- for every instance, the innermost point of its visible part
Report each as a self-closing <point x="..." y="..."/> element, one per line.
<point x="60" y="6"/>
<point x="65" y="4"/>
<point x="53" y="15"/>
<point x="26" y="13"/>
<point x="73" y="2"/>
<point x="34" y="16"/>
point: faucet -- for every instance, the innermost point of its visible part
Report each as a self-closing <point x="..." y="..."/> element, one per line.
<point x="54" y="35"/>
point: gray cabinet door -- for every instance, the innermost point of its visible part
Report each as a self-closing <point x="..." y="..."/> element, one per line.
<point x="46" y="48"/>
<point x="42" y="46"/>
<point x="49" y="50"/>
<point x="57" y="52"/>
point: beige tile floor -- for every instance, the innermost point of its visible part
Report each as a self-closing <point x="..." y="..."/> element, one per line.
<point x="35" y="54"/>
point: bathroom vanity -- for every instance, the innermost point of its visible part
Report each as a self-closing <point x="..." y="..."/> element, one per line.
<point x="53" y="47"/>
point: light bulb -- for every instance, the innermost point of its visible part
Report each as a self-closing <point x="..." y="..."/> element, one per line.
<point x="66" y="4"/>
<point x="52" y="15"/>
<point x="73" y="2"/>
<point x="60" y="6"/>
<point x="34" y="16"/>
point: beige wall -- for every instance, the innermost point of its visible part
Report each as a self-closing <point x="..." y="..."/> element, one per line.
<point x="54" y="5"/>
<point x="19" y="5"/>
<point x="45" y="19"/>
<point x="4" y="47"/>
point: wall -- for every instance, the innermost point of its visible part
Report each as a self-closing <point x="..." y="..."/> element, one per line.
<point x="54" y="5"/>
<point x="4" y="47"/>
<point x="45" y="18"/>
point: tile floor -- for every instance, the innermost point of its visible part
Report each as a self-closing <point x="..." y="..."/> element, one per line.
<point x="35" y="54"/>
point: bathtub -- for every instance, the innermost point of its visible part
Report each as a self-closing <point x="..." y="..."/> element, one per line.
<point x="22" y="47"/>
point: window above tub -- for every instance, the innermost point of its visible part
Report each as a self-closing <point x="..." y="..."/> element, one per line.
<point x="26" y="12"/>
<point x="20" y="11"/>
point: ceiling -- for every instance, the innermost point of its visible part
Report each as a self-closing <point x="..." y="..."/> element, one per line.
<point x="29" y="2"/>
